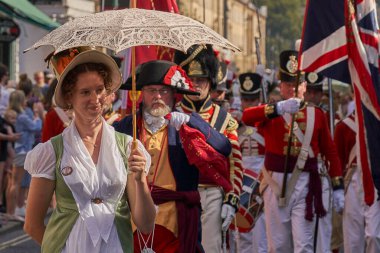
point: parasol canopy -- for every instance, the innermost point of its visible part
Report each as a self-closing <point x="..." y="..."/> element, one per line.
<point x="121" y="29"/>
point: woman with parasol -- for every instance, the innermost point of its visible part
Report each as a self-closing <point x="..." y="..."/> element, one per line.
<point x="98" y="179"/>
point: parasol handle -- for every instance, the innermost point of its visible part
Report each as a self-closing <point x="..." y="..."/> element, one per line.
<point x="134" y="98"/>
<point x="134" y="144"/>
<point x="134" y="94"/>
<point x="290" y="139"/>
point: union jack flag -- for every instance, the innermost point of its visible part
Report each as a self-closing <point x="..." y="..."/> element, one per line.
<point x="341" y="41"/>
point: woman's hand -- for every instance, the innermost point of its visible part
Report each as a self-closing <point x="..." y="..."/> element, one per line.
<point x="136" y="164"/>
<point x="141" y="202"/>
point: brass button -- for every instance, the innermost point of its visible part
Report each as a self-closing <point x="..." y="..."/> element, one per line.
<point x="151" y="173"/>
<point x="97" y="200"/>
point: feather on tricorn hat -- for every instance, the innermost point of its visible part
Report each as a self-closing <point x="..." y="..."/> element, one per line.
<point x="163" y="73"/>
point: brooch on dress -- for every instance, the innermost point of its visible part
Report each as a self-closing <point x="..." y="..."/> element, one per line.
<point x="66" y="171"/>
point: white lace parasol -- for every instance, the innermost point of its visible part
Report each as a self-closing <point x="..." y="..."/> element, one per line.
<point x="121" y="29"/>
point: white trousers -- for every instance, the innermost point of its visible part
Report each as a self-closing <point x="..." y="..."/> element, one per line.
<point x="211" y="201"/>
<point x="254" y="241"/>
<point x="361" y="223"/>
<point x="353" y="217"/>
<point x="325" y="224"/>
<point x="287" y="229"/>
<point x="372" y="227"/>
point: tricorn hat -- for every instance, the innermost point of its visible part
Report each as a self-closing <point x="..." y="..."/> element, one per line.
<point x="165" y="73"/>
<point x="250" y="84"/>
<point x="127" y="85"/>
<point x="289" y="66"/>
<point x="199" y="61"/>
<point x="65" y="61"/>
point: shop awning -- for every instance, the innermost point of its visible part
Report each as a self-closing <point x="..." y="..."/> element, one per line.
<point x="24" y="10"/>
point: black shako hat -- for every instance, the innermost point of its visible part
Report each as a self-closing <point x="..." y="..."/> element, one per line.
<point x="250" y="84"/>
<point x="314" y="81"/>
<point x="222" y="77"/>
<point x="163" y="73"/>
<point x="199" y="61"/>
<point x="289" y="66"/>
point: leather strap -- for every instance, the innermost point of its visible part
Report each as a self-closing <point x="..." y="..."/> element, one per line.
<point x="298" y="133"/>
<point x="302" y="157"/>
<point x="350" y="123"/>
<point x="258" y="137"/>
<point x="350" y="169"/>
<point x="220" y="118"/>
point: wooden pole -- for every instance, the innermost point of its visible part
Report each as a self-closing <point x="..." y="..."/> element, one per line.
<point x="134" y="93"/>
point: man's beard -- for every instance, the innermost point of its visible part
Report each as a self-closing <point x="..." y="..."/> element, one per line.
<point x="154" y="118"/>
<point x="160" y="111"/>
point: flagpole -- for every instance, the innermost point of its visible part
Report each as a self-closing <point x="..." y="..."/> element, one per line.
<point x="331" y="107"/>
<point x="134" y="95"/>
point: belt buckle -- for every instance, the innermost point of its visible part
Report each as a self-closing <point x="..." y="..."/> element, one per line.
<point x="97" y="201"/>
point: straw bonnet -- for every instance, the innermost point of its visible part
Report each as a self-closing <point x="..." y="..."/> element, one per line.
<point x="65" y="61"/>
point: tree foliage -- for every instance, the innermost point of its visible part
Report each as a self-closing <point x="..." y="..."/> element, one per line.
<point x="284" y="26"/>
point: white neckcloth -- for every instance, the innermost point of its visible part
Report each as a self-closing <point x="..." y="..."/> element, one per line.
<point x="106" y="180"/>
<point x="94" y="231"/>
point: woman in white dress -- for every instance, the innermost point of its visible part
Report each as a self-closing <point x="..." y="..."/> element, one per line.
<point x="99" y="180"/>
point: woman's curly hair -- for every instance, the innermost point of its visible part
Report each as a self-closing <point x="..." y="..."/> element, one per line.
<point x="71" y="78"/>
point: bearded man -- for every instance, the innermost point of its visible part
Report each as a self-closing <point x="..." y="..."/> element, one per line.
<point x="180" y="146"/>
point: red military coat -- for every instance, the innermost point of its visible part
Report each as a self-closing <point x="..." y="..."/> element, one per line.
<point x="53" y="125"/>
<point x="276" y="133"/>
<point x="345" y="139"/>
<point x="226" y="124"/>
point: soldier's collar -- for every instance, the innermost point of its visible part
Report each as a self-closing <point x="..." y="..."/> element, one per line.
<point x="189" y="104"/>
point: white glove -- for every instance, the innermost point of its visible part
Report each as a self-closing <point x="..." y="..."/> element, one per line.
<point x="338" y="200"/>
<point x="291" y="105"/>
<point x="228" y="213"/>
<point x="177" y="119"/>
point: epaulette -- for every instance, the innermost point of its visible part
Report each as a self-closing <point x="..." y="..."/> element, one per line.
<point x="232" y="124"/>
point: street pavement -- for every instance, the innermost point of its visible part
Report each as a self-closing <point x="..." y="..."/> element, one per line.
<point x="14" y="240"/>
